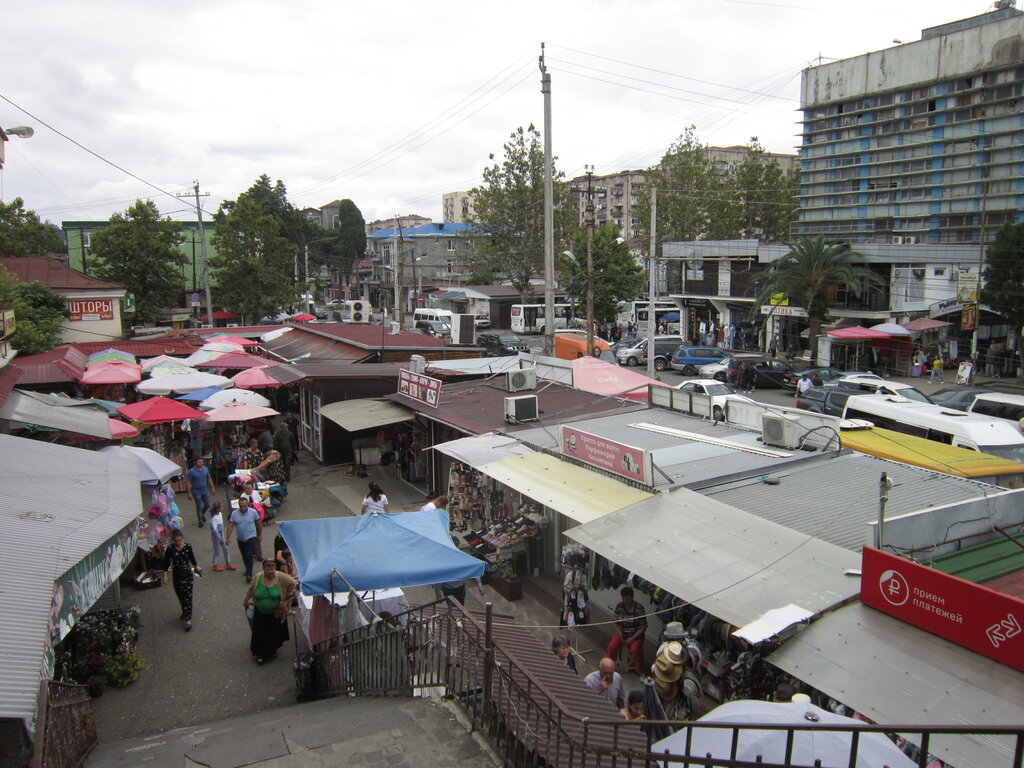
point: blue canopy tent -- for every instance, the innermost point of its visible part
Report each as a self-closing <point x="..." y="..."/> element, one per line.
<point x="377" y="551"/>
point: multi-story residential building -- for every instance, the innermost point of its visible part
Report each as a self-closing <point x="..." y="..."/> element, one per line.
<point x="408" y="221"/>
<point x="457" y="207"/>
<point x="616" y="196"/>
<point x="430" y="255"/>
<point x="920" y="143"/>
<point x="726" y="159"/>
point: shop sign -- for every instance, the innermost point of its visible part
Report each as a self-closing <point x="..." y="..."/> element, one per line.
<point x="90" y="309"/>
<point x="426" y="389"/>
<point x="969" y="317"/>
<point x="944" y="307"/>
<point x="10" y="326"/>
<point x="780" y="311"/>
<point x="623" y="460"/>
<point x="696" y="303"/>
<point x="968" y="614"/>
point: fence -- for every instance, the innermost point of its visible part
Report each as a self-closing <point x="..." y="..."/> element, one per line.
<point x="441" y="647"/>
<point x="65" y="731"/>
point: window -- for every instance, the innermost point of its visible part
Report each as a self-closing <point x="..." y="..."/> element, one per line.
<point x="451" y="244"/>
<point x="86" y="239"/>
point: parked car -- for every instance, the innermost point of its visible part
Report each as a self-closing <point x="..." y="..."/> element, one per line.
<point x="957" y="398"/>
<point x="719" y="370"/>
<point x="435" y="328"/>
<point x="864" y="383"/>
<point x="825" y="374"/>
<point x="719" y="393"/>
<point x="688" y="359"/>
<point x="636" y="354"/>
<point x="828" y="400"/>
<point x="501" y="343"/>
<point x="999" y="405"/>
<point x="769" y="373"/>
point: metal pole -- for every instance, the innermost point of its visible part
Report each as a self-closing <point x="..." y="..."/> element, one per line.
<point x="400" y="277"/>
<point x="652" y="288"/>
<point x="206" y="266"/>
<point x="549" y="215"/>
<point x="883" y="496"/>
<point x="590" y="261"/>
<point x="488" y="659"/>
<point x="305" y="271"/>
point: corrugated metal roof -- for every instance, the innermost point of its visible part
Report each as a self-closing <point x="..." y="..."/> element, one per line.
<point x="728" y="562"/>
<point x="81" y="416"/>
<point x="895" y="673"/>
<point x="60" y="504"/>
<point x="57" y="366"/>
<point x="294" y="345"/>
<point x="9" y="376"/>
<point x="365" y="413"/>
<point x="841" y="516"/>
<point x="54" y="272"/>
<point x="482" y="449"/>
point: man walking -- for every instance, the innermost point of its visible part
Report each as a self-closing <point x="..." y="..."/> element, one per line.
<point x="200" y="486"/>
<point x="250" y="533"/>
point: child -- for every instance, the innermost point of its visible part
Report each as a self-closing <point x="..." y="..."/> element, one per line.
<point x="217" y="537"/>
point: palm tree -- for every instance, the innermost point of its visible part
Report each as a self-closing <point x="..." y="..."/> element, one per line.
<point x="809" y="276"/>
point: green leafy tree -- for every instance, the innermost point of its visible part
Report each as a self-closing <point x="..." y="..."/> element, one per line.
<point x="767" y="198"/>
<point x="272" y="199"/>
<point x="509" y="219"/>
<point x="809" y="276"/>
<point x="694" y="200"/>
<point x="617" y="276"/>
<point x="23" y="234"/>
<point x="1004" y="275"/>
<point x="140" y="251"/>
<point x="254" y="261"/>
<point x="38" y="313"/>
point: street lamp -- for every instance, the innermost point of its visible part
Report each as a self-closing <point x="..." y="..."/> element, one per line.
<point x="21" y="131"/>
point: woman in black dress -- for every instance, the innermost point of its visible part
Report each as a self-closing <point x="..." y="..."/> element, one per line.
<point x="181" y="562"/>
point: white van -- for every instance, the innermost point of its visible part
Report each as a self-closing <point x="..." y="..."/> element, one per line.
<point x="934" y="422"/>
<point x="434" y="315"/>
<point x="998" y="405"/>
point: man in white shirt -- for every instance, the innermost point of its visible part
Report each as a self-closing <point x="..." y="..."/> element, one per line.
<point x="608" y="683"/>
<point x="803" y="385"/>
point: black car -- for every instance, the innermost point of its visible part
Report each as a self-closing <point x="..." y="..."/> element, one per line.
<point x="824" y="374"/>
<point x="958" y="398"/>
<point x="501" y="343"/>
<point x="828" y="400"/>
<point x="770" y="373"/>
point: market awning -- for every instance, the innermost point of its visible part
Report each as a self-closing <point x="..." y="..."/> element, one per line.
<point x="728" y="562"/>
<point x="43" y="410"/>
<point x="365" y="413"/>
<point x="482" y="449"/>
<point x="893" y="672"/>
<point x="857" y="332"/>
<point x="577" y="493"/>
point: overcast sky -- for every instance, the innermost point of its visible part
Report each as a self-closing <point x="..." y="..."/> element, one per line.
<point x="393" y="103"/>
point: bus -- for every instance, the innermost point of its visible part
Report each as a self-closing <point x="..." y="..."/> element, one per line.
<point x="935" y="456"/>
<point x="529" y="318"/>
<point x="637" y="311"/>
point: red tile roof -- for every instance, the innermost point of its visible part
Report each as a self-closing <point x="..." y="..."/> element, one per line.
<point x="54" y="273"/>
<point x="58" y="366"/>
<point x="149" y="347"/>
<point x="370" y="336"/>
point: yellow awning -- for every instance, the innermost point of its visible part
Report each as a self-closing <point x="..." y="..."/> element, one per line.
<point x="577" y="493"/>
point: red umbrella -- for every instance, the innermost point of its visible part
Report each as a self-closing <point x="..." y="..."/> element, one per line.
<point x="238" y="360"/>
<point x="925" y="324"/>
<point x="255" y="378"/>
<point x="157" y="410"/>
<point x="119" y="429"/>
<point x="303" y="317"/>
<point x="115" y="372"/>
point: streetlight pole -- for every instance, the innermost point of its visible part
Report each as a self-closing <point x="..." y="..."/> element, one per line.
<point x="549" y="214"/>
<point x="652" y="277"/>
<point x="590" y="260"/>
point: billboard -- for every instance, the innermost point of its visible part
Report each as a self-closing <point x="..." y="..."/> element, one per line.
<point x="968" y="614"/>
<point x="426" y="389"/>
<point x="90" y="309"/>
<point x="618" y="458"/>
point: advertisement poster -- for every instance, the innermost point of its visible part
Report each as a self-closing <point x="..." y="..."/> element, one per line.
<point x="90" y="309"/>
<point x="426" y="389"/>
<point x="965" y="613"/>
<point x="623" y="460"/>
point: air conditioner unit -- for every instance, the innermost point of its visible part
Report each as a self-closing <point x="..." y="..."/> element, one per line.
<point x="521" y="408"/>
<point x="897" y="240"/>
<point x="394" y="328"/>
<point x="232" y="325"/>
<point x="780" y="431"/>
<point x="464" y="329"/>
<point x="417" y="363"/>
<point x="909" y="240"/>
<point x="358" y="311"/>
<point x="525" y="378"/>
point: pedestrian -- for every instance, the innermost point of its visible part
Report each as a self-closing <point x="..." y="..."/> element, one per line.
<point x="803" y="385"/>
<point x="937" y="370"/>
<point x="200" y="486"/>
<point x="375" y="501"/>
<point x="250" y="533"/>
<point x="563" y="652"/>
<point x="773" y="346"/>
<point x="630" y="626"/>
<point x="747" y="377"/>
<point x="292" y="421"/>
<point x="220" y="547"/>
<point x="456" y="589"/>
<point x="284" y="445"/>
<point x="634" y="709"/>
<point x="253" y="457"/>
<point x="607" y="682"/>
<point x="438" y="502"/>
<point x="265" y="439"/>
<point x="269" y="594"/>
<point x="180" y="560"/>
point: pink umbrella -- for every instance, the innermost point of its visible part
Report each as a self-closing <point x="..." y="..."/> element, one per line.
<point x="239" y="340"/>
<point x="119" y="429"/>
<point x="255" y="378"/>
<point x="238" y="360"/>
<point x="239" y="412"/>
<point x="303" y="317"/>
<point x="157" y="410"/>
<point x="115" y="372"/>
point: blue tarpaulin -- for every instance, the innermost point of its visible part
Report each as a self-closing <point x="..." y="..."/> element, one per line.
<point x="404" y="549"/>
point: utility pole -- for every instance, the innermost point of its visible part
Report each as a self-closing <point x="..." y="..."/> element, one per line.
<point x="589" y="220"/>
<point x="305" y="271"/>
<point x="400" y="276"/>
<point x="202" y="249"/>
<point x="652" y="278"/>
<point x="549" y="215"/>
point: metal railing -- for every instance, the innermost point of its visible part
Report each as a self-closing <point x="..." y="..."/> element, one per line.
<point x="66" y="728"/>
<point x="443" y="648"/>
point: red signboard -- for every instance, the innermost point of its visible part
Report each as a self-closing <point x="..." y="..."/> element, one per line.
<point x="426" y="389"/>
<point x="90" y="309"/>
<point x="624" y="460"/>
<point x="963" y="612"/>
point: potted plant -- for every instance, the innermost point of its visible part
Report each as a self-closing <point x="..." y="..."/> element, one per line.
<point x="125" y="667"/>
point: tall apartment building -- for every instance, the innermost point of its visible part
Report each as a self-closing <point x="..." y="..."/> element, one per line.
<point x="727" y="158"/>
<point x="921" y="143"/>
<point x="457" y="207"/>
<point x="615" y="199"/>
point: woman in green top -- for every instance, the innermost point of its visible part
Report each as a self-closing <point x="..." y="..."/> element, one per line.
<point x="269" y="593"/>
